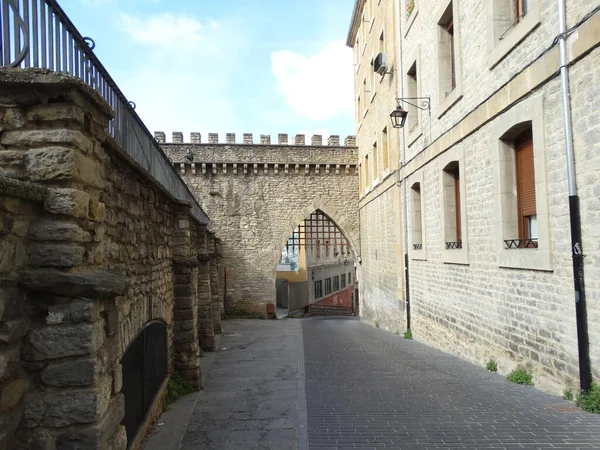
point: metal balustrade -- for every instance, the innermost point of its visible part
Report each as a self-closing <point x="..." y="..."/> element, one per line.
<point x="38" y="33"/>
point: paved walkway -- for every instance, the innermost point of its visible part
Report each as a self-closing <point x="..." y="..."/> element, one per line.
<point x="359" y="387"/>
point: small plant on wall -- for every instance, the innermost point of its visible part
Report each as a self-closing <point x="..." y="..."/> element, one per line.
<point x="521" y="376"/>
<point x="410" y="6"/>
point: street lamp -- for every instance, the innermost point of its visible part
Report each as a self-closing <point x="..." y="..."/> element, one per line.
<point x="398" y="115"/>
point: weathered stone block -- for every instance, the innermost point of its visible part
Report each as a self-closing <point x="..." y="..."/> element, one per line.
<point x="77" y="311"/>
<point x="9" y="422"/>
<point x="58" y="341"/>
<point x="55" y="112"/>
<point x="97" y="285"/>
<point x="97" y="435"/>
<point x="97" y="210"/>
<point x="11" y="302"/>
<point x="73" y="372"/>
<point x="52" y="230"/>
<point x="9" y="362"/>
<point x="12" y="331"/>
<point x="69" y="202"/>
<point x="60" y="163"/>
<point x="39" y="138"/>
<point x="67" y="407"/>
<point x="55" y="255"/>
<point x="12" y="393"/>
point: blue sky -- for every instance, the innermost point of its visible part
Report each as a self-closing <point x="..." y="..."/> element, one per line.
<point x="242" y="66"/>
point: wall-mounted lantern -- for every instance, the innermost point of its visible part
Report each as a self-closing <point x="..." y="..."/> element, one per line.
<point x="399" y="115"/>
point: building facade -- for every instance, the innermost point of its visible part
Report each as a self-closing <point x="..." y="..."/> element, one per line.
<point x="486" y="223"/>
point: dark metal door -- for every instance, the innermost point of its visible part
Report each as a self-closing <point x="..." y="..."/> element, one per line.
<point x="145" y="368"/>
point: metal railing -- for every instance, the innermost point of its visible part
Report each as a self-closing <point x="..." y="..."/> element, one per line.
<point x="38" y="33"/>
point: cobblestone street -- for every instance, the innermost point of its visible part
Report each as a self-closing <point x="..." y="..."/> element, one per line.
<point x="369" y="389"/>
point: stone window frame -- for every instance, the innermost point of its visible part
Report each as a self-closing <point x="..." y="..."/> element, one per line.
<point x="445" y="102"/>
<point x="512" y="35"/>
<point x="385" y="151"/>
<point x="420" y="254"/>
<point x="365" y="96"/>
<point x="375" y="162"/>
<point x="372" y="77"/>
<point x="457" y="255"/>
<point x="357" y="52"/>
<point x="407" y="22"/>
<point x="529" y="110"/>
<point x="412" y="136"/>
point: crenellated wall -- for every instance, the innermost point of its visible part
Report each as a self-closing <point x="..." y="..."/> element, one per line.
<point x="257" y="193"/>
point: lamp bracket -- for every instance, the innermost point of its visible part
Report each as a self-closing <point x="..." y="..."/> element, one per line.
<point x="422" y="103"/>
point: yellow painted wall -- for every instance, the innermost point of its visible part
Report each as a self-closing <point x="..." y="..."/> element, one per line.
<point x="300" y="275"/>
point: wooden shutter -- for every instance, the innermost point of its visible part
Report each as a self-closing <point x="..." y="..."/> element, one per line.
<point x="525" y="182"/>
<point x="457" y="200"/>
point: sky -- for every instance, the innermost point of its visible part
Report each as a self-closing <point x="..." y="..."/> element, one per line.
<point x="227" y="66"/>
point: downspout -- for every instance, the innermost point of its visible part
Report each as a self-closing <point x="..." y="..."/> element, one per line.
<point x="585" y="372"/>
<point x="403" y="175"/>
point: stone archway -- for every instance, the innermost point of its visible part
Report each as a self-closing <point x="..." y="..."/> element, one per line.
<point x="324" y="273"/>
<point x="257" y="194"/>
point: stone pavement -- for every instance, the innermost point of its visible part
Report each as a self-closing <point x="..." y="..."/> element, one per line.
<point x="251" y="394"/>
<point x="364" y="388"/>
<point x="369" y="389"/>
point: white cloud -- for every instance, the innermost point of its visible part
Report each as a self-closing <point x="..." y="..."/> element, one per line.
<point x="182" y="84"/>
<point x="317" y="87"/>
<point x="164" y="30"/>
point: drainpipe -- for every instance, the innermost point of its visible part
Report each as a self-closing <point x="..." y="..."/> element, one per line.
<point x="585" y="372"/>
<point x="400" y="73"/>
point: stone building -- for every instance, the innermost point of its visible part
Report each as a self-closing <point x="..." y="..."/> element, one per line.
<point x="485" y="221"/>
<point x="257" y="194"/>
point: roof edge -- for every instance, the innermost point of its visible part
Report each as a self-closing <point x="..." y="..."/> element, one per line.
<point x="353" y="21"/>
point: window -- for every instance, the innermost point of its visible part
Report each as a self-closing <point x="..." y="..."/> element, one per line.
<point x="326" y="249"/>
<point x="336" y="283"/>
<point x="451" y="193"/>
<point x="372" y="79"/>
<point x="361" y="186"/>
<point x="327" y="286"/>
<point x="447" y="52"/>
<point x="521" y="193"/>
<point x="318" y="289"/>
<point x="375" y="162"/>
<point x="412" y="92"/>
<point x="510" y="21"/>
<point x="416" y="212"/>
<point x="527" y="212"/>
<point x="381" y="43"/>
<point x="318" y="247"/>
<point x="409" y="14"/>
<point x="367" y="174"/>
<point x="453" y="200"/>
<point x="359" y="109"/>
<point x="343" y="281"/>
<point x="449" y="63"/>
<point x="350" y="280"/>
<point x="417" y="226"/>
<point x="357" y="51"/>
<point x="364" y="96"/>
<point x="385" y="148"/>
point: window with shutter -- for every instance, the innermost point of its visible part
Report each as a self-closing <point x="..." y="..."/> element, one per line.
<point x="527" y="212"/>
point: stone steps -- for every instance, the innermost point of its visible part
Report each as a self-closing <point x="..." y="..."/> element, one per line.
<point x="319" y="310"/>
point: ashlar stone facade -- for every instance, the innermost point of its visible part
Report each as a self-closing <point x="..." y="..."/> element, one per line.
<point x="257" y="194"/>
<point x="470" y="292"/>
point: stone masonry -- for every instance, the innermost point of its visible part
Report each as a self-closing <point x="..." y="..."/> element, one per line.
<point x="92" y="250"/>
<point x="483" y="300"/>
<point x="256" y="194"/>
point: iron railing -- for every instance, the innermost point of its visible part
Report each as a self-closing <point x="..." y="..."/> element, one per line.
<point x="520" y="243"/>
<point x="38" y="33"/>
<point x="453" y="245"/>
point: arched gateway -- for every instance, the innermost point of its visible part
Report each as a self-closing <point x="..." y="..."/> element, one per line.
<point x="257" y="194"/>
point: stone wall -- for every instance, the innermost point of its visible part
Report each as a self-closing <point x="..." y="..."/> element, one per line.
<point x="482" y="302"/>
<point x="93" y="249"/>
<point x="256" y="194"/>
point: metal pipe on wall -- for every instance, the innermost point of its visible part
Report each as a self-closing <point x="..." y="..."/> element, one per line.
<point x="585" y="372"/>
